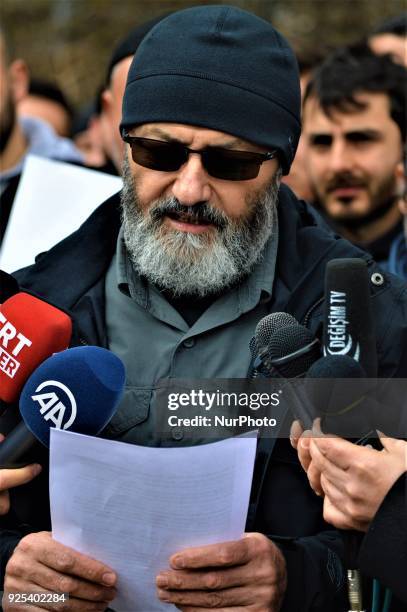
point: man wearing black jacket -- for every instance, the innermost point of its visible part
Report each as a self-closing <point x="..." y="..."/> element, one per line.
<point x="208" y="245"/>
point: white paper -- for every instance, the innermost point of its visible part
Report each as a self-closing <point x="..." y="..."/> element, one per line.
<point x="132" y="507"/>
<point x="53" y="199"/>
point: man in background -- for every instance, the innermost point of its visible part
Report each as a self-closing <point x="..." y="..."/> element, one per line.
<point x="354" y="126"/>
<point x="391" y="37"/>
<point x="46" y="100"/>
<point x="112" y="95"/>
<point x="298" y="180"/>
<point x="99" y="135"/>
<point x="19" y="137"/>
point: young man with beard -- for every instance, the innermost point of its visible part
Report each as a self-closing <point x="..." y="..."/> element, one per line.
<point x="209" y="243"/>
<point x="354" y="127"/>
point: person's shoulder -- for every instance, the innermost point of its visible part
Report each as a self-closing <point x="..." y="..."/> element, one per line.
<point x="79" y="260"/>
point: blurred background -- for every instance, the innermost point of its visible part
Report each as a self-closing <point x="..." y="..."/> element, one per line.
<point x="70" y="41"/>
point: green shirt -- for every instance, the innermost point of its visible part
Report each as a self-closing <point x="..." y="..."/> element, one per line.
<point x="155" y="342"/>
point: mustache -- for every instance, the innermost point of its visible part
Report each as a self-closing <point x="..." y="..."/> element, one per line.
<point x="344" y="180"/>
<point x="201" y="212"/>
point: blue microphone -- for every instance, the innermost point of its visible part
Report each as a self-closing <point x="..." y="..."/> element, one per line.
<point x="77" y="390"/>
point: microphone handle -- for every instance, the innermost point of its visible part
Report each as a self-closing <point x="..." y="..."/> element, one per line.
<point x="14" y="447"/>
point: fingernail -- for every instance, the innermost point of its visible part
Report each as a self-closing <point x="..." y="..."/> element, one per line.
<point x="109" y="578"/>
<point x="163" y="595"/>
<point x="162" y="581"/>
<point x="305" y="442"/>
<point x="178" y="562"/>
<point x="36" y="469"/>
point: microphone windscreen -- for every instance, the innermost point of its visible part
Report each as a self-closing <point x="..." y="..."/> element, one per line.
<point x="77" y="390"/>
<point x="348" y="321"/>
<point x="292" y="350"/>
<point x="30" y="331"/>
<point x="336" y="366"/>
<point x="340" y="390"/>
<point x="267" y="326"/>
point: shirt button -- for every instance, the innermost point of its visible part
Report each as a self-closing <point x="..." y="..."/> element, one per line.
<point x="189" y="343"/>
<point x="177" y="434"/>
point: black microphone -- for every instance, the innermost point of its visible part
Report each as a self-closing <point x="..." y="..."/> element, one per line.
<point x="265" y="328"/>
<point x="339" y="391"/>
<point x="291" y="351"/>
<point x="348" y="321"/>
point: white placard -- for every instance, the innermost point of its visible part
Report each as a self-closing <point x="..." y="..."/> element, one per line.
<point x="53" y="199"/>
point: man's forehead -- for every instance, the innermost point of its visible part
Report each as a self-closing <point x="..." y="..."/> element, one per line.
<point x="375" y="114"/>
<point x="191" y="134"/>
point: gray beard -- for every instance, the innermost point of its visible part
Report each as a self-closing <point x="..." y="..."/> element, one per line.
<point x="191" y="264"/>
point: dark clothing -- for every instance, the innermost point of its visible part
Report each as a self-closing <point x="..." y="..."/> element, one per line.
<point x="72" y="276"/>
<point x="380" y="248"/>
<point x="383" y="554"/>
<point x="6" y="203"/>
<point x="397" y="262"/>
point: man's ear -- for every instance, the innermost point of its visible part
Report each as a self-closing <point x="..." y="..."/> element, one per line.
<point x="401" y="180"/>
<point x="19" y="79"/>
<point x="106" y="101"/>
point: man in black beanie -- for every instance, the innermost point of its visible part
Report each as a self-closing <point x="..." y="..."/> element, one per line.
<point x="111" y="97"/>
<point x="208" y="244"/>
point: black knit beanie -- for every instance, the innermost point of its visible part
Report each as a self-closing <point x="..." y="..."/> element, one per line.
<point x="128" y="46"/>
<point x="221" y="68"/>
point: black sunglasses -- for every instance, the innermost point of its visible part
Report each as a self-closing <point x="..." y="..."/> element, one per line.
<point x="226" y="164"/>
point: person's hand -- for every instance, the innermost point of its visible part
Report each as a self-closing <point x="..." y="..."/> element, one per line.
<point x="355" y="479"/>
<point x="249" y="574"/>
<point x="300" y="440"/>
<point x="40" y="564"/>
<point x="14" y="478"/>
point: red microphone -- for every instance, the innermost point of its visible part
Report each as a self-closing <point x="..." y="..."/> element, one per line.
<point x="31" y="330"/>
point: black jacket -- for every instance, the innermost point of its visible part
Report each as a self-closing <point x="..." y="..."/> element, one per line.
<point x="6" y="203"/>
<point x="71" y="276"/>
<point x="383" y="554"/>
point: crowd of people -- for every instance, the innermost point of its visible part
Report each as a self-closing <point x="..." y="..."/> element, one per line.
<point x="228" y="212"/>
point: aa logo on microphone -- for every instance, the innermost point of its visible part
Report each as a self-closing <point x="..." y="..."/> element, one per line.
<point x="339" y="340"/>
<point x="59" y="407"/>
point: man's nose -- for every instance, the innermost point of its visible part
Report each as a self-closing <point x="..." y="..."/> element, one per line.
<point x="341" y="158"/>
<point x="192" y="183"/>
